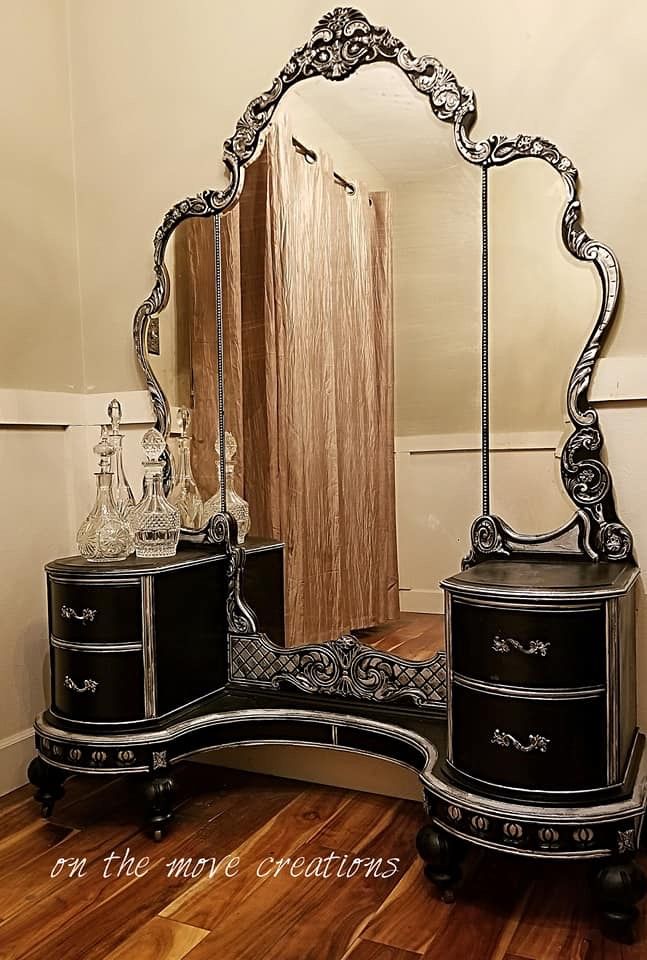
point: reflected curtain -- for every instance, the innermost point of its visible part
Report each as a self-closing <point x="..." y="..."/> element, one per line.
<point x="307" y="300"/>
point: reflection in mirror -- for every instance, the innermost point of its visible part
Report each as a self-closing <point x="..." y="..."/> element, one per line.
<point x="351" y="299"/>
<point x="351" y="292"/>
<point x="542" y="302"/>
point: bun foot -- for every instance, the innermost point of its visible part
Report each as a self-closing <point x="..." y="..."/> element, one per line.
<point x="49" y="783"/>
<point x="442" y="854"/>
<point x="159" y="797"/>
<point x="618" y="886"/>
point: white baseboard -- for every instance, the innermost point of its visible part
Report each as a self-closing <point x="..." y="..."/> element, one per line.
<point x="421" y="601"/>
<point x="15" y="753"/>
<point x="334" y="768"/>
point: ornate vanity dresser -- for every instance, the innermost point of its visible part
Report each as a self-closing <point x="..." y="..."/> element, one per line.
<point x="523" y="731"/>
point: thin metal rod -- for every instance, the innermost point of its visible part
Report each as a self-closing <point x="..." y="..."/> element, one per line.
<point x="220" y="361"/>
<point x="310" y="155"/>
<point x="485" y="347"/>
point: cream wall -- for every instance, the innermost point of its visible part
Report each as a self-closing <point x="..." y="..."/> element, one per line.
<point x="40" y="333"/>
<point x="40" y="348"/>
<point x="126" y="114"/>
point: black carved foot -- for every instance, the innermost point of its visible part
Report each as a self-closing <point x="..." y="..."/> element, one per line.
<point x="442" y="854"/>
<point x="159" y="796"/>
<point x="49" y="783"/>
<point x="618" y="887"/>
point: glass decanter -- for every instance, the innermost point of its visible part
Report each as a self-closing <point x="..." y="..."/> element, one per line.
<point x="155" y="523"/>
<point x="104" y="536"/>
<point x="236" y="506"/>
<point x="185" y="495"/>
<point x="121" y="491"/>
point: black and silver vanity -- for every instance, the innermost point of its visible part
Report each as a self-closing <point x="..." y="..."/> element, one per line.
<point x="523" y="730"/>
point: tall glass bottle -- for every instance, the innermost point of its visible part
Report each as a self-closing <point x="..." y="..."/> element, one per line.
<point x="104" y="536"/>
<point x="121" y="491"/>
<point x="236" y="506"/>
<point x="155" y="523"/>
<point x="185" y="495"/>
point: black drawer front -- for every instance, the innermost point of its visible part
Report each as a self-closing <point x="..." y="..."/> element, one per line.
<point x="529" y="648"/>
<point x="97" y="686"/>
<point x="95" y="613"/>
<point x="574" y="758"/>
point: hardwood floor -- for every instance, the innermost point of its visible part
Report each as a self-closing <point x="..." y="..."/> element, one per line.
<point x="508" y="908"/>
<point x="415" y="636"/>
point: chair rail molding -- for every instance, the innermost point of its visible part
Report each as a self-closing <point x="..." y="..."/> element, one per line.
<point x="34" y="408"/>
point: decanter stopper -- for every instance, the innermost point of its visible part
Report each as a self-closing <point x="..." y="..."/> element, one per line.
<point x="155" y="522"/>
<point x="121" y="490"/>
<point x="235" y="505"/>
<point x="184" y="494"/>
<point x="104" y="450"/>
<point x="104" y="535"/>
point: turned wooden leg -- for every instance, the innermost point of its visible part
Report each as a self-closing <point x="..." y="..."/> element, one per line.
<point x="49" y="783"/>
<point x="442" y="854"/>
<point x="159" y="796"/>
<point x="618" y="886"/>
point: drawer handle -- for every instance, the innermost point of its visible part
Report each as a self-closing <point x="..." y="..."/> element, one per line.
<point x="506" y="644"/>
<point x="86" y="617"/>
<point x="535" y="742"/>
<point x="89" y="686"/>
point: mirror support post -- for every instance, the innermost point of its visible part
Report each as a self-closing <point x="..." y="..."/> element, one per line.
<point x="220" y="362"/>
<point x="485" y="374"/>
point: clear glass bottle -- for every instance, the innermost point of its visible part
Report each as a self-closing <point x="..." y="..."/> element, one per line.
<point x="155" y="523"/>
<point x="121" y="490"/>
<point x="184" y="494"/>
<point x="236" y="506"/>
<point x="104" y="536"/>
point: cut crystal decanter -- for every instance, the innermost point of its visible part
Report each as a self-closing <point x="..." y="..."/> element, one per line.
<point x="104" y="535"/>
<point x="154" y="521"/>
<point x="236" y="506"/>
<point x="185" y="495"/>
<point x="121" y="491"/>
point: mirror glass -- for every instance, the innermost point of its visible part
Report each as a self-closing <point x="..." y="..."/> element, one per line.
<point x="542" y="306"/>
<point x="351" y="281"/>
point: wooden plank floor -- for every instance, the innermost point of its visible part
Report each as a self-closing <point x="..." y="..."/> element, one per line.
<point x="507" y="908"/>
<point x="414" y="636"/>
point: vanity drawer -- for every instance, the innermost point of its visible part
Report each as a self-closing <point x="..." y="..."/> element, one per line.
<point x="496" y="739"/>
<point x="97" y="686"/>
<point x="87" y="613"/>
<point x="529" y="648"/>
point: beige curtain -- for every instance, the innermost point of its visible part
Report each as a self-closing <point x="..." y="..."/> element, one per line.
<point x="309" y="385"/>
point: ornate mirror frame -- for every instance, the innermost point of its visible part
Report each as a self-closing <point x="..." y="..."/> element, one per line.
<point x="342" y="41"/>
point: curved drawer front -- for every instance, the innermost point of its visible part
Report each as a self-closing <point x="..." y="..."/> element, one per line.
<point x="530" y="743"/>
<point x="95" y="613"/>
<point x="529" y="648"/>
<point x="97" y="686"/>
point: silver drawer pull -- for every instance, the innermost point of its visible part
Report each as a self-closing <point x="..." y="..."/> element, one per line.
<point x="535" y="742"/>
<point x="89" y="686"/>
<point x="87" y="616"/>
<point x="506" y="644"/>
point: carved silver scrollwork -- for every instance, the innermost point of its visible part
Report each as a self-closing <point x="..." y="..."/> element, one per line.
<point x="86" y="616"/>
<point x="240" y="616"/>
<point x="507" y="644"/>
<point x="535" y="742"/>
<point x="88" y="686"/>
<point x="343" y="667"/>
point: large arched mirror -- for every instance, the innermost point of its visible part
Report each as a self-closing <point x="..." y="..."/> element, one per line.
<point x="397" y="352"/>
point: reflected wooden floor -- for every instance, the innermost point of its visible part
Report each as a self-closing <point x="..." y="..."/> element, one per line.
<point x="415" y="636"/>
<point x="507" y="908"/>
